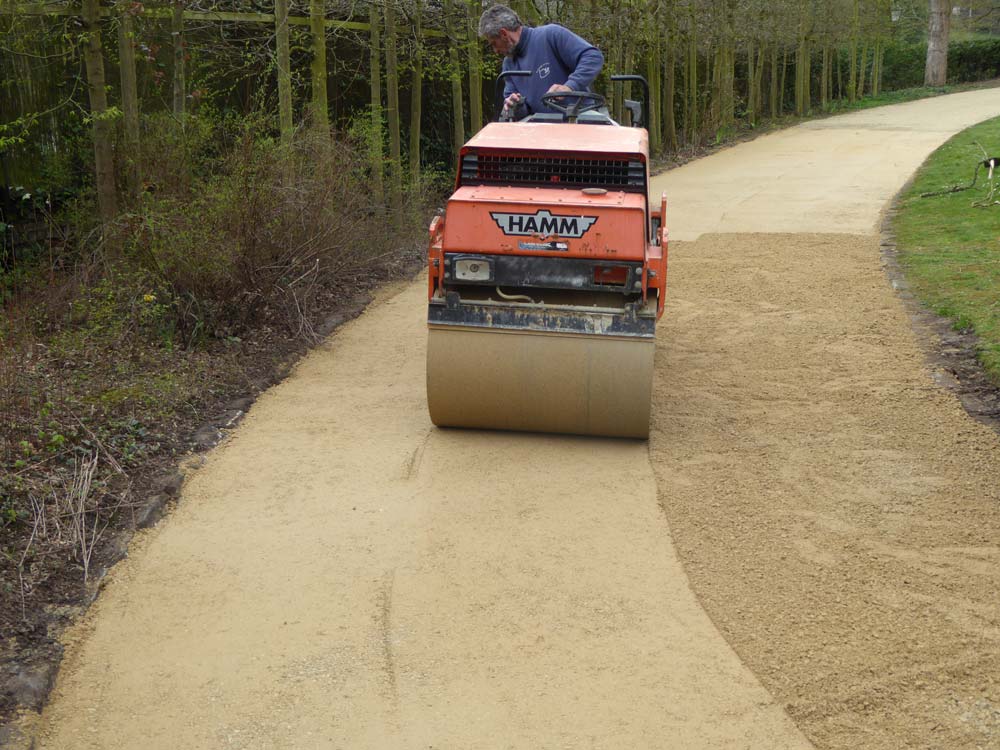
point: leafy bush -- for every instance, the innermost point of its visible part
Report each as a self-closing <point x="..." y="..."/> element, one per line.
<point x="903" y="66"/>
<point x="260" y="235"/>
<point x="968" y="62"/>
<point x="974" y="60"/>
<point x="174" y="155"/>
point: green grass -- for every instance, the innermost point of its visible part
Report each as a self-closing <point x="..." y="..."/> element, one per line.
<point x="950" y="250"/>
<point x="894" y="97"/>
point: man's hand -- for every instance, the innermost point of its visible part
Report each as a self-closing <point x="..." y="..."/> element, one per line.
<point x="555" y="88"/>
<point x="512" y="101"/>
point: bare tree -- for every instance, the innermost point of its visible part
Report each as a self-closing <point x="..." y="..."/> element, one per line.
<point x="375" y="140"/>
<point x="104" y="164"/>
<point x="180" y="54"/>
<point x="936" y="70"/>
<point x="455" y="73"/>
<point x="283" y="54"/>
<point x="416" y="92"/>
<point x="392" y="103"/>
<point x="130" y="96"/>
<point x="317" y="21"/>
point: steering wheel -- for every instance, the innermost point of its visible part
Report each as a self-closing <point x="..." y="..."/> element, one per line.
<point x="581" y="101"/>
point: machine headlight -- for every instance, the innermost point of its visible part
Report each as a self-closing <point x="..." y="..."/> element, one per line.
<point x="473" y="269"/>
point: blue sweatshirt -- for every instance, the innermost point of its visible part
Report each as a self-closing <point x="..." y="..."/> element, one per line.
<point x="553" y="54"/>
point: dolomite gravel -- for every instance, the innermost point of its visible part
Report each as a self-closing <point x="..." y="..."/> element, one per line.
<point x="810" y="534"/>
<point x="837" y="513"/>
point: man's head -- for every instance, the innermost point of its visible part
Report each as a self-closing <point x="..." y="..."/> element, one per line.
<point x="502" y="29"/>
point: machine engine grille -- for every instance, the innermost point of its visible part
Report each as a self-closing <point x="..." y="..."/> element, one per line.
<point x="546" y="170"/>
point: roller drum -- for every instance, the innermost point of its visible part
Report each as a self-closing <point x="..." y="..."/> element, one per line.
<point x="539" y="381"/>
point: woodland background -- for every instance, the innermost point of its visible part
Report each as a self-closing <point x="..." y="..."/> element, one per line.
<point x="190" y="189"/>
<point x="406" y="81"/>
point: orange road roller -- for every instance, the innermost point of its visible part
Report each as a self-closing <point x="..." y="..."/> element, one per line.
<point x="546" y="276"/>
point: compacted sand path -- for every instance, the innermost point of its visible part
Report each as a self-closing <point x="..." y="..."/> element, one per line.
<point x="806" y="547"/>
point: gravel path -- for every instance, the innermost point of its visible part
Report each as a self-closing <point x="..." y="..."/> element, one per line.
<point x="837" y="513"/>
<point x="809" y="535"/>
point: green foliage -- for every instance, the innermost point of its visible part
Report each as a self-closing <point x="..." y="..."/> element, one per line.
<point x="10" y="511"/>
<point x="176" y="155"/>
<point x="248" y="229"/>
<point x="15" y="132"/>
<point x="968" y="61"/>
<point x="974" y="60"/>
<point x="897" y="96"/>
<point x="904" y="65"/>
<point x="950" y="249"/>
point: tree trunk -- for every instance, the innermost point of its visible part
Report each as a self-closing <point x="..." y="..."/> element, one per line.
<point x="615" y="57"/>
<point x="829" y="75"/>
<point x="840" y="76"/>
<point x="803" y="66"/>
<point x="416" y="84"/>
<point x="824" y="91"/>
<point x="862" y="69"/>
<point x="774" y="82"/>
<point x="130" y="96"/>
<point x="852" y="79"/>
<point x="475" y="70"/>
<point x="283" y="58"/>
<point x="104" y="166"/>
<point x="392" y="104"/>
<point x="876" y="64"/>
<point x="455" y="73"/>
<point x="692" y="90"/>
<point x="656" y="94"/>
<point x="881" y="65"/>
<point x="177" y="35"/>
<point x="781" y="85"/>
<point x="936" y="69"/>
<point x="706" y="89"/>
<point x="729" y="85"/>
<point x="317" y="23"/>
<point x="758" y="106"/>
<point x="715" y="113"/>
<point x="528" y="12"/>
<point x="751" y="82"/>
<point x="375" y="137"/>
<point x="668" y="102"/>
<point x="803" y="61"/>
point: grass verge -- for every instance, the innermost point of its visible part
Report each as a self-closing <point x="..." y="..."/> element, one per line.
<point x="949" y="245"/>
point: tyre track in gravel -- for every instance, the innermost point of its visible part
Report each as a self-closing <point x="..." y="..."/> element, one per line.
<point x="341" y="574"/>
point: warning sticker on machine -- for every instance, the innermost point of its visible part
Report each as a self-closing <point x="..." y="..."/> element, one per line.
<point x="543" y="224"/>
<point x="557" y="246"/>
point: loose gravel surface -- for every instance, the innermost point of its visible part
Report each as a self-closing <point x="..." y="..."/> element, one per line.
<point x="837" y="513"/>
<point x="804" y="554"/>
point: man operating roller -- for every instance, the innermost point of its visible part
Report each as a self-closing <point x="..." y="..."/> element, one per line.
<point x="558" y="59"/>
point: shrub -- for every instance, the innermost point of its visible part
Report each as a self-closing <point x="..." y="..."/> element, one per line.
<point x="968" y="62"/>
<point x="974" y="60"/>
<point x="262" y="234"/>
